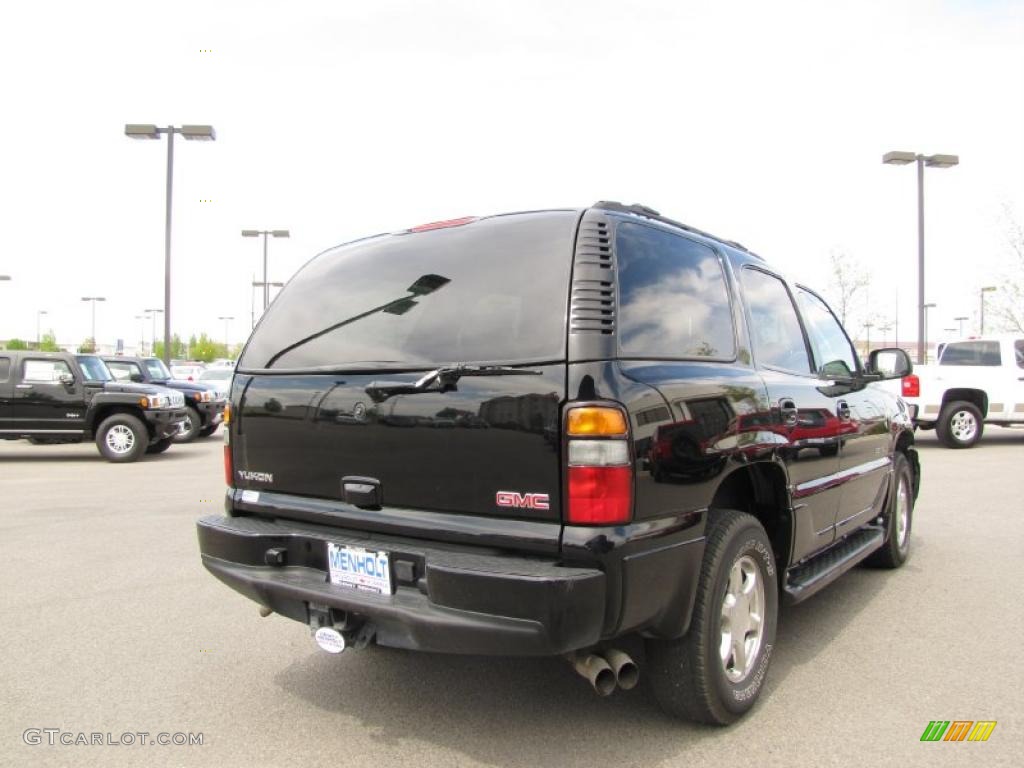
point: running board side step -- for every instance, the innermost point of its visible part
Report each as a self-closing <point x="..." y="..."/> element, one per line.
<point x="821" y="570"/>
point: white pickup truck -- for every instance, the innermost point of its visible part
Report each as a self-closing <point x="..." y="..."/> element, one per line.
<point x="976" y="382"/>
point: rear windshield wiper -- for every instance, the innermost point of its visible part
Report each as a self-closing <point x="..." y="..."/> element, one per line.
<point x="444" y="378"/>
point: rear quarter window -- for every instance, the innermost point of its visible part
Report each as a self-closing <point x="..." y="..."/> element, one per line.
<point x="493" y="291"/>
<point x="984" y="353"/>
<point x="673" y="300"/>
<point x="5" y="368"/>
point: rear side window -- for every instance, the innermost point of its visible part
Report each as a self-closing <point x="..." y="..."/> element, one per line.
<point x="5" y="368"/>
<point x="673" y="300"/>
<point x="495" y="290"/>
<point x="985" y="353"/>
<point x="775" y="330"/>
<point x="1018" y="351"/>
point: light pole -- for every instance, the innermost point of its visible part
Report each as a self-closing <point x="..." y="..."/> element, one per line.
<point x="961" y="321"/>
<point x="142" y="334"/>
<point x="932" y="161"/>
<point x="190" y="133"/>
<point x="226" y="319"/>
<point x="266" y="288"/>
<point x="982" y="292"/>
<point x="868" y="326"/>
<point x="93" y="300"/>
<point x="39" y="313"/>
<point x="152" y="343"/>
<point x="926" y="307"/>
<point x="264" y="233"/>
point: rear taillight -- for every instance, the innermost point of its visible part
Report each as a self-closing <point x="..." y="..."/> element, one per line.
<point x="229" y="470"/>
<point x="911" y="386"/>
<point x="599" y="471"/>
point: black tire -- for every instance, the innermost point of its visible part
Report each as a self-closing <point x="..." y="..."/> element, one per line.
<point x="207" y="431"/>
<point x="122" y="438"/>
<point x="190" y="430"/>
<point x="955" y="423"/>
<point x="160" y="445"/>
<point x="896" y="549"/>
<point x="688" y="675"/>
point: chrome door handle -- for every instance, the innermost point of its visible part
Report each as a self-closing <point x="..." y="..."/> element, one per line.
<point x="23" y="386"/>
<point x="788" y="411"/>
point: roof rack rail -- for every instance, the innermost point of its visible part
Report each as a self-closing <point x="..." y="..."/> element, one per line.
<point x="650" y="213"/>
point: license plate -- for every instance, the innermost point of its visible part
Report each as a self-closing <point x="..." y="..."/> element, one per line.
<point x="359" y="568"/>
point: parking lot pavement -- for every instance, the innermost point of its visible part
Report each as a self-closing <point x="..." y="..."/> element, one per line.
<point x="110" y="625"/>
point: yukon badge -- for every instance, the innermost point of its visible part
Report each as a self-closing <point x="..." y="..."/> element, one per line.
<point x="522" y="500"/>
<point x="256" y="477"/>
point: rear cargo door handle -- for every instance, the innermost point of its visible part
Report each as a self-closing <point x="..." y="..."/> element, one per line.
<point x="788" y="411"/>
<point x="23" y="386"/>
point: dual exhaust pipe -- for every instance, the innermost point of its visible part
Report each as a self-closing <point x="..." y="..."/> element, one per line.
<point x="607" y="670"/>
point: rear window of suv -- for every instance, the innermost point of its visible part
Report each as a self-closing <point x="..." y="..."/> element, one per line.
<point x="673" y="301"/>
<point x="492" y="291"/>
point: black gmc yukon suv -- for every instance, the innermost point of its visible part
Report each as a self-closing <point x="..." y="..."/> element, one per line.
<point x="538" y="433"/>
<point x="57" y="397"/>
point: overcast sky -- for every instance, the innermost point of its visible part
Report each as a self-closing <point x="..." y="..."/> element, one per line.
<point x="761" y="122"/>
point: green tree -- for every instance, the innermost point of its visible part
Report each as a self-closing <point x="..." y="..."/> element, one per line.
<point x="206" y="349"/>
<point x="88" y="346"/>
<point x="177" y="348"/>
<point x="14" y="344"/>
<point x="49" y="342"/>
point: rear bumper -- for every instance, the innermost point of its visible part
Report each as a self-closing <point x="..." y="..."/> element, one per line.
<point x="447" y="599"/>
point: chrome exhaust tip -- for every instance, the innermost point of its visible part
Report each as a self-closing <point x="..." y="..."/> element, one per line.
<point x="627" y="673"/>
<point x="596" y="671"/>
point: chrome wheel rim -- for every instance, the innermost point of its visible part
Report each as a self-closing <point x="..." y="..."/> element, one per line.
<point x="902" y="514"/>
<point x="742" y="621"/>
<point x="963" y="426"/>
<point x="120" y="439"/>
<point x="185" y="426"/>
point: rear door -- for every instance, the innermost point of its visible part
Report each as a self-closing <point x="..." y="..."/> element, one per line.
<point x="979" y="364"/>
<point x="803" y="411"/>
<point x="1017" y="379"/>
<point x="42" y="402"/>
<point x="315" y="400"/>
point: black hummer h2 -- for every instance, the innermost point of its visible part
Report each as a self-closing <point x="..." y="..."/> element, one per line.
<point x="204" y="408"/>
<point x="56" y="397"/>
<point x="538" y="433"/>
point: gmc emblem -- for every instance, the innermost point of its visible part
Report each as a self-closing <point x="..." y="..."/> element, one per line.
<point x="521" y="500"/>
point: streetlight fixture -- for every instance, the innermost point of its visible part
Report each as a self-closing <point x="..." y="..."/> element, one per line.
<point x="961" y="321"/>
<point x="93" y="300"/>
<point x="264" y="233"/>
<point x="152" y="343"/>
<point x="932" y="161"/>
<point x="926" y="307"/>
<point x="227" y="319"/>
<point x="190" y="133"/>
<point x="982" y="292"/>
<point x="39" y="313"/>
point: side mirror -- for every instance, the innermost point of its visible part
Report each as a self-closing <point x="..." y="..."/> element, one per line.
<point x="889" y="363"/>
<point x="67" y="379"/>
<point x="136" y="377"/>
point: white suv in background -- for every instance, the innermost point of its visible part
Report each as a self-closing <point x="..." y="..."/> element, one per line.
<point x="976" y="382"/>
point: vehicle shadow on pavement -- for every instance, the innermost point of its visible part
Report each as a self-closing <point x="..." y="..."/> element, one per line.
<point x="530" y="712"/>
<point x="43" y="456"/>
